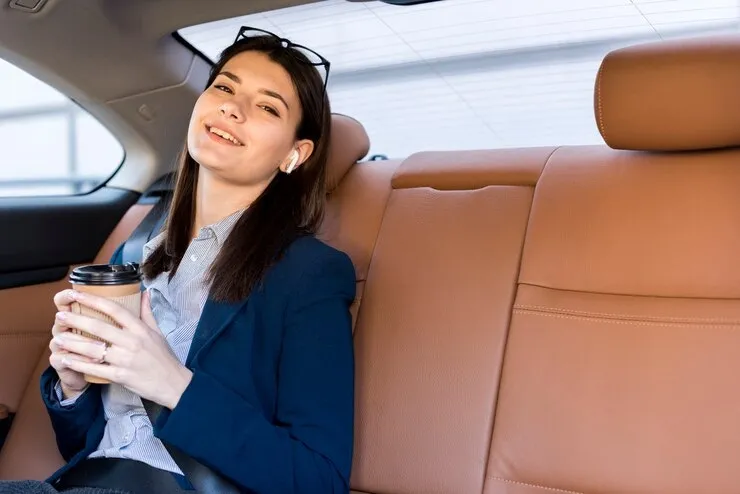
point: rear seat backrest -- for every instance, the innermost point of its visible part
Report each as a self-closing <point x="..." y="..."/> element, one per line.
<point x="357" y="198"/>
<point x="624" y="348"/>
<point x="353" y="216"/>
<point x="432" y="325"/>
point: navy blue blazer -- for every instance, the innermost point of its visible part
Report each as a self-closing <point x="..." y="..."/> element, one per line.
<point x="271" y="402"/>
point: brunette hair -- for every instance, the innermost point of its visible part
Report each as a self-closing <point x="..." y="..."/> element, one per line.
<point x="291" y="206"/>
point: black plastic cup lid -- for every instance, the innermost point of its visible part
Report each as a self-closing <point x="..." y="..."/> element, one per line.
<point x="106" y="274"/>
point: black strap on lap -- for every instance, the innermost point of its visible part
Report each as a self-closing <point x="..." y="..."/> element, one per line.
<point x="205" y="480"/>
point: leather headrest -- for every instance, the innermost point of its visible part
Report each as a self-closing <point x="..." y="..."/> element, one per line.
<point x="349" y="144"/>
<point x="674" y="95"/>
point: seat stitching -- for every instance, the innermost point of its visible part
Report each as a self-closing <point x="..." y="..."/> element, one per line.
<point x="24" y="335"/>
<point x="621" y="321"/>
<point x="542" y="308"/>
<point x="600" y="106"/>
<point x="528" y="484"/>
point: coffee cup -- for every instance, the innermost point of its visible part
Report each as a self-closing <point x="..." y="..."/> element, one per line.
<point x="118" y="282"/>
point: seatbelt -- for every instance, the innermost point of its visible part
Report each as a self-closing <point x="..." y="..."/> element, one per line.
<point x="205" y="480"/>
<point x="161" y="193"/>
<point x="133" y="248"/>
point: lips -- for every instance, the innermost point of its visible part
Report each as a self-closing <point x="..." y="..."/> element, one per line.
<point x="223" y="135"/>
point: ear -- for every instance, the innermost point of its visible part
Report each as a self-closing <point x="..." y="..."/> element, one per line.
<point x="298" y="155"/>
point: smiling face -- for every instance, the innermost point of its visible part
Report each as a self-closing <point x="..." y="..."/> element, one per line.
<point x="243" y="125"/>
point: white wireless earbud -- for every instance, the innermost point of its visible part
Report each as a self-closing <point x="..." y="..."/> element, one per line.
<point x="293" y="162"/>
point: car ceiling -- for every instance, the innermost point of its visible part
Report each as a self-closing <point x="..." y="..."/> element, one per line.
<point x="119" y="61"/>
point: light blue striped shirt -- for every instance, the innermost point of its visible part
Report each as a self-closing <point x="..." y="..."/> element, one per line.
<point x="177" y="306"/>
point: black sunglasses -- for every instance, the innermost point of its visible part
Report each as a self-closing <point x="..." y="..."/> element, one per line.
<point x="311" y="57"/>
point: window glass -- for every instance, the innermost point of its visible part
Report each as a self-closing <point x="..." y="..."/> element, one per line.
<point x="48" y="144"/>
<point x="462" y="74"/>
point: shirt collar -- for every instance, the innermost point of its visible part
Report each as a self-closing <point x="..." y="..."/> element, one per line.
<point x="221" y="230"/>
<point x="151" y="245"/>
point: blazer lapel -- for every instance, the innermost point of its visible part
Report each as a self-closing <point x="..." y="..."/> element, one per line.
<point x="215" y="318"/>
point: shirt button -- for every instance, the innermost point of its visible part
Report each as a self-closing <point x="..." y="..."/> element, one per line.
<point x="127" y="437"/>
<point x="193" y="258"/>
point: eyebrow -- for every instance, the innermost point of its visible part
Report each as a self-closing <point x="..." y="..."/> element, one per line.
<point x="266" y="92"/>
<point x="231" y="76"/>
<point x="275" y="95"/>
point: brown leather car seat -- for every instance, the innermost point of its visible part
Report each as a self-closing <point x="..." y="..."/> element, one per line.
<point x="30" y="450"/>
<point x="624" y="346"/>
<point x="604" y="361"/>
<point x="431" y="330"/>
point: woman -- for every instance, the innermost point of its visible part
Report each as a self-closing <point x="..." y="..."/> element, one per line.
<point x="244" y="339"/>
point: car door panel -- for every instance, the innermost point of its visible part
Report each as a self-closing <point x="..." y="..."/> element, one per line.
<point x="44" y="238"/>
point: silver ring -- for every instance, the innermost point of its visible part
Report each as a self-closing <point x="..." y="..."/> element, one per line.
<point x="105" y="352"/>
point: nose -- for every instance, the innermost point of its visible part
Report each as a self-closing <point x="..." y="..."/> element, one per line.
<point x="231" y="111"/>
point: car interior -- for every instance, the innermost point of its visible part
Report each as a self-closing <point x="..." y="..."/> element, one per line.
<point x="534" y="314"/>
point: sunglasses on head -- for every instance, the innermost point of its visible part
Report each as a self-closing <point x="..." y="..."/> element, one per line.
<point x="311" y="57"/>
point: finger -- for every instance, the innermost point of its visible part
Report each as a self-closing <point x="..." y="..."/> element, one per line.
<point x="104" y="371"/>
<point x="62" y="329"/>
<point x="56" y="358"/>
<point x="95" y="327"/>
<point x="57" y="348"/>
<point x="59" y="328"/>
<point x="70" y="336"/>
<point x="81" y="346"/>
<point x="63" y="300"/>
<point x="116" y="311"/>
<point x="147" y="316"/>
<point x="54" y="347"/>
<point x="119" y="357"/>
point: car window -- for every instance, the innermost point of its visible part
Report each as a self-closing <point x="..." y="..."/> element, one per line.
<point x="48" y="144"/>
<point x="466" y="74"/>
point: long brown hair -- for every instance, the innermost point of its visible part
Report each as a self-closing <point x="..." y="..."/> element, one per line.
<point x="291" y="206"/>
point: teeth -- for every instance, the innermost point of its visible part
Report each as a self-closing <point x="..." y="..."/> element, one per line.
<point x="225" y="135"/>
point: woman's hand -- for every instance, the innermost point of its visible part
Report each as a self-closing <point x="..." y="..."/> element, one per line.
<point x="73" y="382"/>
<point x="138" y="357"/>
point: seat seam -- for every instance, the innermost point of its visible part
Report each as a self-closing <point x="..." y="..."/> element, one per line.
<point x="537" y="486"/>
<point x="600" y="107"/>
<point x="23" y="335"/>
<point x="624" y="294"/>
<point x="631" y="322"/>
<point x="510" y="316"/>
<point x="558" y="310"/>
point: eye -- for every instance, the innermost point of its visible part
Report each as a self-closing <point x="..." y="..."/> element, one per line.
<point x="223" y="88"/>
<point x="270" y="109"/>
